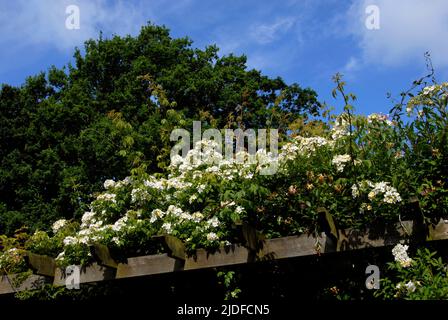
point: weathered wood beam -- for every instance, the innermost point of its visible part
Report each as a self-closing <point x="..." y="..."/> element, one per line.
<point x="91" y="273"/>
<point x="236" y="254"/>
<point x="14" y="283"/>
<point x="224" y="256"/>
<point x="148" y="265"/>
<point x="293" y="246"/>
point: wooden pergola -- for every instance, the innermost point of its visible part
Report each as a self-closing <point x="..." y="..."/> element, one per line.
<point x="256" y="249"/>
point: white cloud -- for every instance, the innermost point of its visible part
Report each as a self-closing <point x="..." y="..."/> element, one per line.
<point x="267" y="33"/>
<point x="408" y="28"/>
<point x="43" y="22"/>
<point x="352" y="64"/>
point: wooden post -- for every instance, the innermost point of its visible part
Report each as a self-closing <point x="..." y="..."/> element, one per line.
<point x="327" y="224"/>
<point x="175" y="247"/>
<point x="419" y="229"/>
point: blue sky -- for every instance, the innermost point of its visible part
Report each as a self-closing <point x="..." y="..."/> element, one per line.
<point x="303" y="41"/>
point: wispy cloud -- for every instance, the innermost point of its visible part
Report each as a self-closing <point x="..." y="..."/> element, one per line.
<point x="267" y="33"/>
<point x="43" y="22"/>
<point x="408" y="28"/>
<point x="351" y="66"/>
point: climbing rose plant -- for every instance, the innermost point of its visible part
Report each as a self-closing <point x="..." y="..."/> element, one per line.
<point x="360" y="168"/>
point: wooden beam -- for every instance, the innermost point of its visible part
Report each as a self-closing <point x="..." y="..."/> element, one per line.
<point x="91" y="273"/>
<point x="14" y="283"/>
<point x="224" y="256"/>
<point x="148" y="265"/>
<point x="293" y="246"/>
<point x="268" y="249"/>
<point x="352" y="239"/>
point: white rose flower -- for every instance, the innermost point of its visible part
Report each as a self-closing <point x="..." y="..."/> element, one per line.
<point x="58" y="225"/>
<point x="239" y="209"/>
<point x="214" y="222"/>
<point x="355" y="191"/>
<point x="340" y="161"/>
<point x="197" y="216"/>
<point x="109" y="183"/>
<point x="107" y="197"/>
<point x="212" y="236"/>
<point x="119" y="224"/>
<point x="410" y="286"/>
<point x="167" y="227"/>
<point x="192" y="198"/>
<point x="401" y="255"/>
<point x="70" y="240"/>
<point x="156" y="214"/>
<point x="61" y="256"/>
<point x="201" y="188"/>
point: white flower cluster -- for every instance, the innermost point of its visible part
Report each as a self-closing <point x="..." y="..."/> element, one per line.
<point x="58" y="225"/>
<point x="389" y="194"/>
<point x="70" y="241"/>
<point x="92" y="228"/>
<point x="212" y="236"/>
<point x="197" y="217"/>
<point x="156" y="214"/>
<point x="87" y="219"/>
<point x="341" y="127"/>
<point x="122" y="183"/>
<point x="355" y="191"/>
<point x="239" y="209"/>
<point x="306" y="146"/>
<point x="205" y="159"/>
<point x="107" y="197"/>
<point x="426" y="96"/>
<point x="102" y="224"/>
<point x="205" y="152"/>
<point x="213" y="222"/>
<point x="303" y="146"/>
<point x="428" y="90"/>
<point x="401" y="255"/>
<point x="139" y="195"/>
<point x="340" y="161"/>
<point x="108" y="184"/>
<point x="379" y="118"/>
<point x="409" y="287"/>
